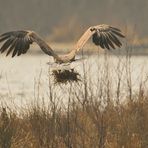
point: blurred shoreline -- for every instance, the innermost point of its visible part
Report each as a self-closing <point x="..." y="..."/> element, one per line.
<point x="61" y="48"/>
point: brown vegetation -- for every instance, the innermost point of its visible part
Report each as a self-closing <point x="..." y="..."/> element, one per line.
<point x="90" y="118"/>
<point x="80" y="125"/>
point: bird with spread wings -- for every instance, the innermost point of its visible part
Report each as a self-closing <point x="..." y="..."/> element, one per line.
<point x="18" y="42"/>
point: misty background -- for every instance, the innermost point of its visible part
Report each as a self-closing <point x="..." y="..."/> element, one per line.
<point x="66" y="20"/>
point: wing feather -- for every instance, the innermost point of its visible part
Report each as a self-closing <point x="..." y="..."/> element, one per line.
<point x="105" y="41"/>
<point x="115" y="40"/>
<point x="19" y="42"/>
<point x="101" y="38"/>
<point x="109" y="42"/>
<point x="11" y="47"/>
<point x="19" y="47"/>
<point x="3" y="38"/>
<point x="6" y="45"/>
<point x="118" y="33"/>
<point x="104" y="36"/>
<point x="95" y="39"/>
<point x="14" y="52"/>
<point x="114" y="28"/>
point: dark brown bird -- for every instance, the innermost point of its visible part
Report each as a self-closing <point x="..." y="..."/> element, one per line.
<point x="18" y="42"/>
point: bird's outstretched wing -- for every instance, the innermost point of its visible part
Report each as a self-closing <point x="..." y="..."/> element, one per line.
<point x="103" y="35"/>
<point x="18" y="42"/>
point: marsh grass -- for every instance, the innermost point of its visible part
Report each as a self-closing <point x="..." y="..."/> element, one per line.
<point x="91" y="117"/>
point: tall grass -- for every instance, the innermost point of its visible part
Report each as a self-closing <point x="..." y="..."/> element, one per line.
<point x="93" y="115"/>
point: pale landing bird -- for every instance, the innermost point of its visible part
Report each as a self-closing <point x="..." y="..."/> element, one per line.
<point x="18" y="42"/>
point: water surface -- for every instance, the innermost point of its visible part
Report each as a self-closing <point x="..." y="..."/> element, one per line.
<point x="20" y="76"/>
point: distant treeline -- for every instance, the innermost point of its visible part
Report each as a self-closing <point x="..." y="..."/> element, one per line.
<point x="48" y="16"/>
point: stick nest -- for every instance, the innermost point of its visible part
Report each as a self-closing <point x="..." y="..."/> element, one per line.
<point x="64" y="76"/>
